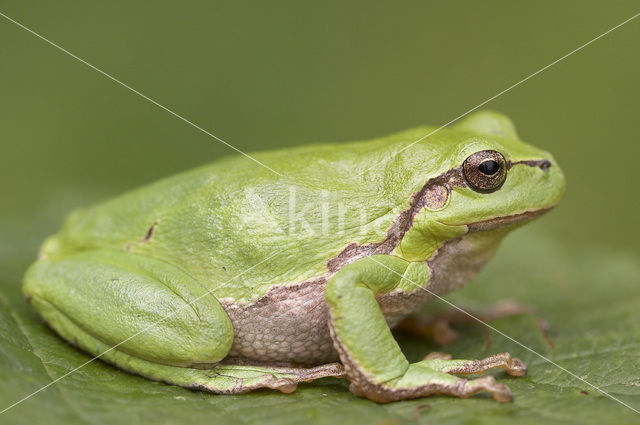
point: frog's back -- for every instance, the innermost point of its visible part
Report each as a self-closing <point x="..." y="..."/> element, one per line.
<point x="218" y="220"/>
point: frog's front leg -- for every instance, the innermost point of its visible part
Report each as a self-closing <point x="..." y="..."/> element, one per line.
<point x="150" y="318"/>
<point x="373" y="361"/>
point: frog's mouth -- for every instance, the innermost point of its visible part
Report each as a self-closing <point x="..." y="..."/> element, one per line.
<point x="495" y="223"/>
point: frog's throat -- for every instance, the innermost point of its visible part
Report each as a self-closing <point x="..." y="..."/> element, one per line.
<point x="404" y="221"/>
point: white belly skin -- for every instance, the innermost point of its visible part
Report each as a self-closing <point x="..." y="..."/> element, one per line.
<point x="289" y="324"/>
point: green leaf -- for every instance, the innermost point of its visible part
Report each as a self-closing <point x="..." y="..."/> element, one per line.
<point x="588" y="296"/>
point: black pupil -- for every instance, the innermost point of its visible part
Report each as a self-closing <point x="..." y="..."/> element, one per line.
<point x="489" y="167"/>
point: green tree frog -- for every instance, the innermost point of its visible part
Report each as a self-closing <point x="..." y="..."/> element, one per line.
<point x="230" y="277"/>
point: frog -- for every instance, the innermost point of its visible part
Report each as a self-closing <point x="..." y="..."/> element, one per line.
<point x="232" y="277"/>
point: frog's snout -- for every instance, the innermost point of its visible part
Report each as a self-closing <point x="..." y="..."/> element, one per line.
<point x="547" y="179"/>
<point x="555" y="180"/>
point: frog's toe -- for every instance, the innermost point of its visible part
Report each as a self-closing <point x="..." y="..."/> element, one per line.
<point x="284" y="385"/>
<point x="513" y="366"/>
<point x="500" y="392"/>
<point x="516" y="367"/>
<point x="438" y="355"/>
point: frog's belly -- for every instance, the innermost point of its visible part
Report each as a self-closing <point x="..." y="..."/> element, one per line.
<point x="289" y="324"/>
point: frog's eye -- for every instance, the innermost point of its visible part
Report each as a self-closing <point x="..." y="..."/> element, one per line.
<point x="485" y="171"/>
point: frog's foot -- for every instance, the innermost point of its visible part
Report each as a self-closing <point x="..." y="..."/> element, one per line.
<point x="500" y="392"/>
<point x="439" y="325"/>
<point x="433" y="375"/>
<point x="433" y="383"/>
<point x="513" y="366"/>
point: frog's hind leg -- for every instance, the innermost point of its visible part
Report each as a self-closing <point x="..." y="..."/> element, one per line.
<point x="151" y="319"/>
<point x="225" y="378"/>
<point x="216" y="378"/>
<point x="109" y="300"/>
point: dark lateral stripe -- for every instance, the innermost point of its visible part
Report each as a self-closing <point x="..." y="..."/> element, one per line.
<point x="543" y="164"/>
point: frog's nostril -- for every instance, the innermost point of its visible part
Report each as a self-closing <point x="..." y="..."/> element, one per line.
<point x="544" y="164"/>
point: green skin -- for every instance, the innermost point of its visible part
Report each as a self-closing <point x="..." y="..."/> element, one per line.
<point x="173" y="274"/>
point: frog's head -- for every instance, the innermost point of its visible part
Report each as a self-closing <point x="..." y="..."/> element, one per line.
<point x="498" y="180"/>
<point x="489" y="183"/>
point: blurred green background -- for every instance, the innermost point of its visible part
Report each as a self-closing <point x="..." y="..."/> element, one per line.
<point x="263" y="75"/>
